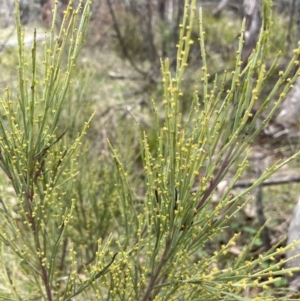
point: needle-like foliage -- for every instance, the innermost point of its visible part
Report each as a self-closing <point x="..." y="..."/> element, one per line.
<point x="165" y="257"/>
<point x="156" y="246"/>
<point x="40" y="166"/>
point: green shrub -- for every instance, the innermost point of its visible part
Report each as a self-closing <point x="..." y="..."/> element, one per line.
<point x="96" y="236"/>
<point x="40" y="165"/>
<point x="172" y="226"/>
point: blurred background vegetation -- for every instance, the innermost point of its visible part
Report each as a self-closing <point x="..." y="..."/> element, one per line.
<point x="118" y="74"/>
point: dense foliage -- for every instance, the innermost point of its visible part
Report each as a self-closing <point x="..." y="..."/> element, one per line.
<point x="136" y="219"/>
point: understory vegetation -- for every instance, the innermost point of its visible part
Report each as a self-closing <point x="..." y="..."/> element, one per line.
<point x="128" y="187"/>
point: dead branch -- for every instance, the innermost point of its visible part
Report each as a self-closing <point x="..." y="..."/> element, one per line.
<point x="4" y="43"/>
<point x="222" y="4"/>
<point x="154" y="57"/>
<point x="270" y="182"/>
<point x="122" y="43"/>
<point x="28" y="41"/>
<point x="292" y="13"/>
<point x="260" y="212"/>
<point x="252" y="30"/>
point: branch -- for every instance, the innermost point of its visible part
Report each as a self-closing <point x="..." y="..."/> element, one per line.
<point x="122" y="42"/>
<point x="158" y="270"/>
<point x="92" y="279"/>
<point x="150" y="37"/>
<point x="216" y="180"/>
<point x="292" y="13"/>
<point x="222" y="4"/>
<point x="270" y="182"/>
<point x="260" y="212"/>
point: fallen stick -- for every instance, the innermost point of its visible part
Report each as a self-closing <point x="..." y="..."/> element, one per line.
<point x="269" y="182"/>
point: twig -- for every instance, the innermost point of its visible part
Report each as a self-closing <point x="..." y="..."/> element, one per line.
<point x="253" y="25"/>
<point x="122" y="42"/>
<point x="114" y="75"/>
<point x="3" y="44"/>
<point x="270" y="182"/>
<point x="248" y="183"/>
<point x="92" y="279"/>
<point x="158" y="270"/>
<point x="222" y="4"/>
<point x="14" y="43"/>
<point x="63" y="255"/>
<point x="173" y="60"/>
<point x="292" y="13"/>
<point x="161" y="12"/>
<point x="150" y="38"/>
<point x="215" y="181"/>
<point x="260" y="212"/>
